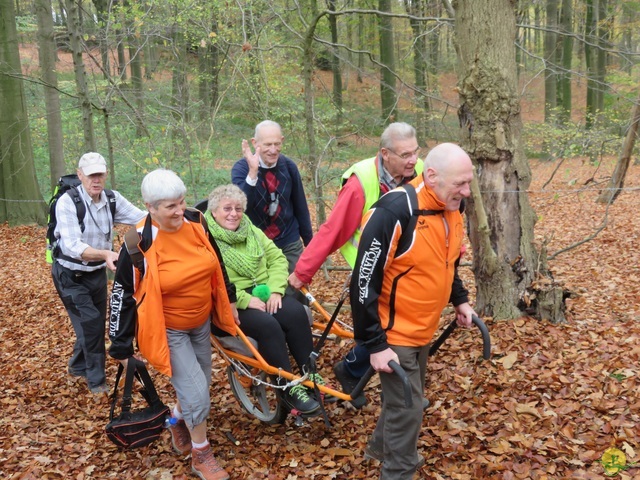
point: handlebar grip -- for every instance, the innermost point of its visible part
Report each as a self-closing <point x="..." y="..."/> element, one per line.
<point x="486" y="338"/>
<point x="408" y="401"/>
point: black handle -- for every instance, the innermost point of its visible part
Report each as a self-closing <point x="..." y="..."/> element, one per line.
<point x="408" y="401"/>
<point x="486" y="338"/>
<point x="357" y="390"/>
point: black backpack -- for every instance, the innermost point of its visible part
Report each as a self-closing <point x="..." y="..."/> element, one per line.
<point x="69" y="184"/>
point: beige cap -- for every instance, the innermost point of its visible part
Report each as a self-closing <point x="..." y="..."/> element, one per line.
<point x="91" y="163"/>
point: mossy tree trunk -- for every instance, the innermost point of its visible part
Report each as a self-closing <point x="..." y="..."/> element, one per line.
<point x="511" y="274"/>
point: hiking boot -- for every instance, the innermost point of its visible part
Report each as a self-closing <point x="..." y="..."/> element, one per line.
<point x="180" y="437"/>
<point x="371" y="453"/>
<point x="99" y="389"/>
<point x="298" y="398"/>
<point x="205" y="465"/>
<point x="77" y="373"/>
<point x="348" y="383"/>
<point x="425" y="403"/>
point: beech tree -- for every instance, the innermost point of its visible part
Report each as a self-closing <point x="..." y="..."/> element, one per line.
<point x="74" y="26"/>
<point x="511" y="273"/>
<point x="388" y="94"/>
<point x="20" y="198"/>
<point x="47" y="58"/>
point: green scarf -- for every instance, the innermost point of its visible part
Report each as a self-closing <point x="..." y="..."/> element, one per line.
<point x="244" y="263"/>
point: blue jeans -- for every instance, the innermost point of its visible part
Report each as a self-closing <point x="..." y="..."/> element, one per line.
<point x="356" y="362"/>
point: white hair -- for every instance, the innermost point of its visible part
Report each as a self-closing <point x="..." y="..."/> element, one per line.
<point x="266" y="124"/>
<point x="162" y="184"/>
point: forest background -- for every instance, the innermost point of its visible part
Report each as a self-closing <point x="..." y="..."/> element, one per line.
<point x="179" y="84"/>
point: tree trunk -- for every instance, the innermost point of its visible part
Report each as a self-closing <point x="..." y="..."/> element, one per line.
<point x="416" y="8"/>
<point x="511" y="276"/>
<point x="135" y="64"/>
<point x="20" y="198"/>
<point x="47" y="57"/>
<point x="361" y="42"/>
<point x="590" y="53"/>
<point x="215" y="65"/>
<point x="204" y="91"/>
<point x="564" y="80"/>
<point x="122" y="59"/>
<point x="314" y="159"/>
<point x="387" y="59"/>
<point x="550" y="44"/>
<point x="103" y="17"/>
<point x="604" y="34"/>
<point x="335" y="62"/>
<point x="75" y="35"/>
<point x="616" y="183"/>
<point x="180" y="93"/>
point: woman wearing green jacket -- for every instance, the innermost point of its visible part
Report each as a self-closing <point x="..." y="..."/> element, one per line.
<point x="259" y="270"/>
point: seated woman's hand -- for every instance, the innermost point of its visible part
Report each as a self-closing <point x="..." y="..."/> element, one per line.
<point x="257" y="304"/>
<point x="274" y="303"/>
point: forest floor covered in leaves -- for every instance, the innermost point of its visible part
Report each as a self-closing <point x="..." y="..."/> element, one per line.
<point x="547" y="405"/>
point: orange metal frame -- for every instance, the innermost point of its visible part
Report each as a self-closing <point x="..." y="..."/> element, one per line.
<point x="257" y="361"/>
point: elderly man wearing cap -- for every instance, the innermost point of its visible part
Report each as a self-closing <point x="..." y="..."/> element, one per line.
<point x="79" y="273"/>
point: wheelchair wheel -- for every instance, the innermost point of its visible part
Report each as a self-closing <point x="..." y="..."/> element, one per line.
<point x="261" y="401"/>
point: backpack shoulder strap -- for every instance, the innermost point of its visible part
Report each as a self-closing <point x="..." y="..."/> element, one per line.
<point x="111" y="200"/>
<point x="196" y="211"/>
<point x="131" y="240"/>
<point x="81" y="209"/>
<point x="407" y="231"/>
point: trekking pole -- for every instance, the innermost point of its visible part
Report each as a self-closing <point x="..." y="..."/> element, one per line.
<point x="486" y="338"/>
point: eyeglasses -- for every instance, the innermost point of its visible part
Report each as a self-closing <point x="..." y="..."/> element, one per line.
<point x="406" y="155"/>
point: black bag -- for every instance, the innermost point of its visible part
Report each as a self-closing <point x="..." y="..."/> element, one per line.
<point x="136" y="429"/>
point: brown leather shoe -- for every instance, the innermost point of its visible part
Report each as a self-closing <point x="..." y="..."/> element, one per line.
<point x="205" y="465"/>
<point x="180" y="437"/>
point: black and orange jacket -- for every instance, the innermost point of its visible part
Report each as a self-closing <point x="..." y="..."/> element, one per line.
<point x="397" y="297"/>
<point x="136" y="303"/>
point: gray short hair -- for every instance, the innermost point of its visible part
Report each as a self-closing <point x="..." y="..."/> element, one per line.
<point x="231" y="192"/>
<point x="396" y="131"/>
<point x="266" y="123"/>
<point x="162" y="184"/>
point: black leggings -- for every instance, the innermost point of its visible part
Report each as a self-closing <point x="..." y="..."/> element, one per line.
<point x="288" y="327"/>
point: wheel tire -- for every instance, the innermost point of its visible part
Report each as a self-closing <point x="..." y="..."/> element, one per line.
<point x="261" y="401"/>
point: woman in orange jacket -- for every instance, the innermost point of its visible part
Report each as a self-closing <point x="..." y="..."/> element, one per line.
<point x="167" y="305"/>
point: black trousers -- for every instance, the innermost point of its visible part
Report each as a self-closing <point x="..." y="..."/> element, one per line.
<point x="84" y="295"/>
<point x="289" y="327"/>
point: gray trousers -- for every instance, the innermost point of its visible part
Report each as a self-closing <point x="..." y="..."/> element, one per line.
<point x="396" y="433"/>
<point x="190" y="355"/>
<point x="293" y="252"/>
<point x="84" y="295"/>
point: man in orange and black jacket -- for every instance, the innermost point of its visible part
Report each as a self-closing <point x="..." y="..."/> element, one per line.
<point x="399" y="291"/>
